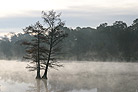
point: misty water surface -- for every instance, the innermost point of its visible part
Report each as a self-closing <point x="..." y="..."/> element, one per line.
<point x="73" y="77"/>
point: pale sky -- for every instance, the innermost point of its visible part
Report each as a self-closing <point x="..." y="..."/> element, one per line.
<point x="18" y="14"/>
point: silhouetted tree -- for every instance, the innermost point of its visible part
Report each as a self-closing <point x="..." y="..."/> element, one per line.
<point x="54" y="36"/>
<point x="34" y="49"/>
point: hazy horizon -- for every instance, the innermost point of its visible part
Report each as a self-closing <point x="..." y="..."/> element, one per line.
<point x="16" y="15"/>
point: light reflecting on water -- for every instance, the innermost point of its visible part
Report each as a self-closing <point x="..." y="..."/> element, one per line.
<point x="73" y="77"/>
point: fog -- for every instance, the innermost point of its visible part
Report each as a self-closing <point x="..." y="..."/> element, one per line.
<point x="73" y="77"/>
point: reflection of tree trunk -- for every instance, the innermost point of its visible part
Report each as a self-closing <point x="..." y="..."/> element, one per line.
<point x="38" y="85"/>
<point x="45" y="84"/>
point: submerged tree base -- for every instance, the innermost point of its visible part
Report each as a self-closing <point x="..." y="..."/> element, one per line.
<point x="44" y="77"/>
<point x="38" y="77"/>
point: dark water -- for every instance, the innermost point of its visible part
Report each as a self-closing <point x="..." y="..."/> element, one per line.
<point x="73" y="77"/>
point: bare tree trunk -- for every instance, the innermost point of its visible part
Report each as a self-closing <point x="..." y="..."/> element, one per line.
<point x="46" y="69"/>
<point x="38" y="72"/>
<point x="45" y="73"/>
<point x="38" y="60"/>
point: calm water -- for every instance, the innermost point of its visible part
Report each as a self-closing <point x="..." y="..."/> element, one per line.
<point x="73" y="77"/>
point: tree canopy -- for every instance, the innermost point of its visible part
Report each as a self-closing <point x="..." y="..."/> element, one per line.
<point x="116" y="42"/>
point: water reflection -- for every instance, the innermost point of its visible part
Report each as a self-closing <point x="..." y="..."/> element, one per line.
<point x="39" y="86"/>
<point x="73" y="78"/>
<point x="95" y="83"/>
<point x="43" y="86"/>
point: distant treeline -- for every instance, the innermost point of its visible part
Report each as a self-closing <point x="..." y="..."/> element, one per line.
<point x="116" y="42"/>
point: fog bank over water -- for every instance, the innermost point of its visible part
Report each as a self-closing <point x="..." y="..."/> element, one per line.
<point x="73" y="77"/>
